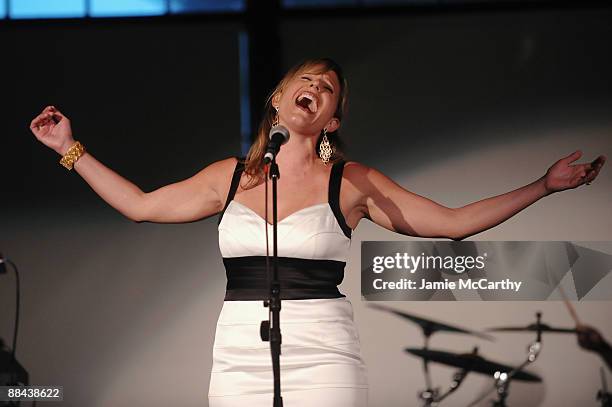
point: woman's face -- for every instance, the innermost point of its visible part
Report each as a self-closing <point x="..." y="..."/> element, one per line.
<point x="308" y="102"/>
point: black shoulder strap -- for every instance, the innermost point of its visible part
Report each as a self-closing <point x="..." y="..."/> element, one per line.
<point x="234" y="186"/>
<point x="333" y="196"/>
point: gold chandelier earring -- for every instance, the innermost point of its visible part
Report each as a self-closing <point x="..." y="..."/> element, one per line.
<point x="275" y="121"/>
<point x="325" y="149"/>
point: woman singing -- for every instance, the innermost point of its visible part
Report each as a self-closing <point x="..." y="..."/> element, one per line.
<point x="321" y="200"/>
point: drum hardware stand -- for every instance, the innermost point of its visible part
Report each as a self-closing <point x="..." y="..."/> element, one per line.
<point x="431" y="397"/>
<point x="11" y="371"/>
<point x="603" y="396"/>
<point x="270" y="329"/>
<point x="502" y="379"/>
<point x="457" y="380"/>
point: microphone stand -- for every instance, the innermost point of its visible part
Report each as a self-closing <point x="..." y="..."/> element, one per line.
<point x="270" y="329"/>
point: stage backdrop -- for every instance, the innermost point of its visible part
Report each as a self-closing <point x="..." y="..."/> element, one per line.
<point x="453" y="106"/>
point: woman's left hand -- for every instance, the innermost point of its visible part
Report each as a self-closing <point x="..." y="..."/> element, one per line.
<point x="563" y="175"/>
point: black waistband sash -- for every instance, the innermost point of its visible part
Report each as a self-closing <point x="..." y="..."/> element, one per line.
<point x="300" y="279"/>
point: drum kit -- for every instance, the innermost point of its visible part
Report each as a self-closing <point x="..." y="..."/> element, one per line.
<point x="500" y="373"/>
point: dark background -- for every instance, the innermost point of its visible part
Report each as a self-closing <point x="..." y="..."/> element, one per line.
<point x="454" y="104"/>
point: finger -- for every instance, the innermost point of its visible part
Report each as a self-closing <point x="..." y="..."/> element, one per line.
<point x="40" y="119"/>
<point x="36" y="120"/>
<point x="40" y="132"/>
<point x="57" y="113"/>
<point x="46" y="113"/>
<point x="596" y="166"/>
<point x="43" y="127"/>
<point x="58" y="117"/>
<point x="577" y="179"/>
<point x="572" y="157"/>
<point x="599" y="161"/>
<point x="591" y="175"/>
<point x="47" y="110"/>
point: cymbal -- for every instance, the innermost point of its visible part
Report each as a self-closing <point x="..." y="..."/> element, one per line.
<point x="533" y="328"/>
<point x="471" y="362"/>
<point x="430" y="326"/>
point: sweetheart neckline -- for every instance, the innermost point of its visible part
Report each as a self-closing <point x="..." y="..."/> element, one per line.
<point x="285" y="218"/>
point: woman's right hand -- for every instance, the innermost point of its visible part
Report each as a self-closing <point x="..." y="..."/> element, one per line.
<point x="53" y="129"/>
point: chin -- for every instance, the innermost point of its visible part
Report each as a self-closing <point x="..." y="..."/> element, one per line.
<point x="301" y="125"/>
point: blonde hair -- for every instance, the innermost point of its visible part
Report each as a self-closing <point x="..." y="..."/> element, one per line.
<point x="254" y="159"/>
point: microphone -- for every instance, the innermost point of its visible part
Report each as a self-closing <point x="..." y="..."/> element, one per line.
<point x="279" y="135"/>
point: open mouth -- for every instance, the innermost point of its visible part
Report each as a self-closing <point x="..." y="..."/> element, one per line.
<point x="307" y="102"/>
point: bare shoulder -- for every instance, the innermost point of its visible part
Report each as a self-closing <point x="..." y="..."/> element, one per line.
<point x="354" y="169"/>
<point x="220" y="174"/>
<point x="364" y="177"/>
<point x="191" y="199"/>
<point x="222" y="167"/>
<point x="359" y="176"/>
<point x="366" y="183"/>
<point x="354" y="192"/>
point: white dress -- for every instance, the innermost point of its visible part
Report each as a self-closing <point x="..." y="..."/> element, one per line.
<point x="321" y="362"/>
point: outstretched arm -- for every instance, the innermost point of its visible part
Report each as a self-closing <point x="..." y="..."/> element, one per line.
<point x="393" y="207"/>
<point x="186" y="201"/>
<point x="189" y="200"/>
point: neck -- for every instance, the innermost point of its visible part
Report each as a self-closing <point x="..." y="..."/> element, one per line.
<point x="298" y="156"/>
